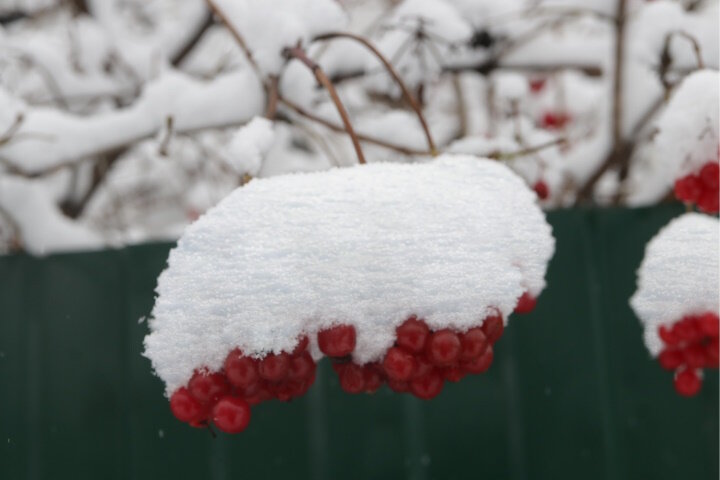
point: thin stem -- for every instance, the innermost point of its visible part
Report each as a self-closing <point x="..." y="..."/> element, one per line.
<point x="236" y="35"/>
<point x="273" y="94"/>
<point x="299" y="54"/>
<point x="393" y="73"/>
<point x="6" y="136"/>
<point x="528" y="150"/>
<point x="336" y="128"/>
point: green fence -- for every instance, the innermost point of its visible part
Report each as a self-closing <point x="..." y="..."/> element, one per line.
<point x="572" y="393"/>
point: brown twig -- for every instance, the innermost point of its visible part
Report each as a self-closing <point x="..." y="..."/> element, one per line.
<point x="363" y="138"/>
<point x="528" y="150"/>
<point x="193" y="41"/>
<point x="272" y="100"/>
<point x="393" y="73"/>
<point x="299" y="54"/>
<point x="8" y="134"/>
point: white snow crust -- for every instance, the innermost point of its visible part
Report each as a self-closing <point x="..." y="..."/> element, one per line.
<point x="452" y="241"/>
<point x="678" y="276"/>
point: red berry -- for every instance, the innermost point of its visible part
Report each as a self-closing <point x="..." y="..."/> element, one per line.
<point x="443" y="347"/>
<point x="301" y="346"/>
<point x="711" y="353"/>
<point x="687" y="382"/>
<point x="479" y="364"/>
<point x="493" y="328"/>
<point x="542" y="190"/>
<point x="686" y="329"/>
<point x="301" y="367"/>
<point x="694" y="356"/>
<point x="708" y="324"/>
<point x="453" y="374"/>
<point x="207" y="388"/>
<point x="526" y="303"/>
<point x="398" y="364"/>
<point x="709" y="201"/>
<point x="670" y="359"/>
<point x="555" y="120"/>
<point x="688" y="189"/>
<point x="337" y="341"/>
<point x="427" y="386"/>
<point x="668" y="335"/>
<point x="352" y="379"/>
<point x="399" y="387"/>
<point x="372" y="378"/>
<point x="185" y="407"/>
<point x="241" y="371"/>
<point x="474" y="342"/>
<point x="274" y="367"/>
<point x="258" y="394"/>
<point x="710" y="175"/>
<point x="422" y="366"/>
<point x="412" y="335"/>
<point x="231" y="414"/>
<point x="537" y="85"/>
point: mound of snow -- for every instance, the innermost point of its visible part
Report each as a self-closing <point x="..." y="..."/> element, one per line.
<point x="452" y="241"/>
<point x="678" y="276"/>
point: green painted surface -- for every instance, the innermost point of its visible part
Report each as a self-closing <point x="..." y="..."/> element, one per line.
<point x="572" y="393"/>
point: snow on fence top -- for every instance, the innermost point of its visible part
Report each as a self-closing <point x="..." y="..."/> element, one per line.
<point x="678" y="276"/>
<point x="451" y="241"/>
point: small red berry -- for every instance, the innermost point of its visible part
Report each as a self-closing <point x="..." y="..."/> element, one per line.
<point x="687" y="382"/>
<point x="670" y="359"/>
<point x="541" y="189"/>
<point x="428" y="386"/>
<point x="260" y="393"/>
<point x="709" y="201"/>
<point x="480" y="364"/>
<point x="412" y="335"/>
<point x="668" y="335"/>
<point x="337" y="341"/>
<point x="710" y="175"/>
<point x="537" y="85"/>
<point x="443" y="347"/>
<point x="274" y="367"/>
<point x="474" y="342"/>
<point x="352" y="379"/>
<point x="688" y="188"/>
<point x="241" y="371"/>
<point x="398" y="364"/>
<point x="526" y="303"/>
<point x="399" y="387"/>
<point x="372" y="378"/>
<point x="453" y="374"/>
<point x="231" y="414"/>
<point x="694" y="356"/>
<point x="711" y="353"/>
<point x="207" y="388"/>
<point x="687" y="330"/>
<point x="493" y="328"/>
<point x="185" y="407"/>
<point x="301" y="346"/>
<point x="301" y="367"/>
<point x="555" y="120"/>
<point x="422" y="366"/>
<point x="708" y="324"/>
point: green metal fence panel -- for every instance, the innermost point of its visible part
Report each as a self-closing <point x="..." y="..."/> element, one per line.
<point x="572" y="392"/>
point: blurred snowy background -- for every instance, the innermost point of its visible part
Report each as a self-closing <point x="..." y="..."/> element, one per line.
<point x="121" y="121"/>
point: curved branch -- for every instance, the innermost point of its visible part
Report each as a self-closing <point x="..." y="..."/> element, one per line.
<point x="393" y="73"/>
<point x="299" y="54"/>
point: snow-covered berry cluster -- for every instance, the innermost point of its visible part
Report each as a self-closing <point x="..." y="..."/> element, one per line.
<point x="681" y="317"/>
<point x="691" y="344"/>
<point x="401" y="274"/>
<point x="701" y="188"/>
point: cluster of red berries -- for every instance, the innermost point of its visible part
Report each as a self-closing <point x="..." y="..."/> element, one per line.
<point x="224" y="398"/>
<point x="555" y="120"/>
<point x="700" y="188"/>
<point x="691" y="344"/>
<point x="420" y="362"/>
